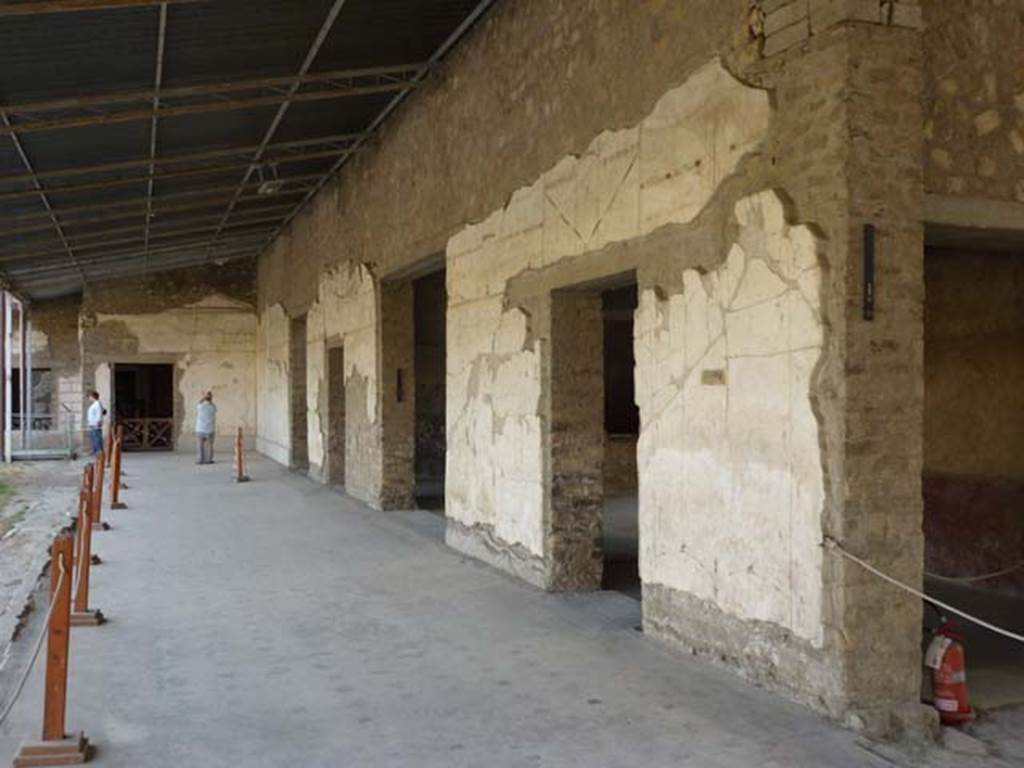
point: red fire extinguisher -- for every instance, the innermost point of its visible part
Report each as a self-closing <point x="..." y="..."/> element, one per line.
<point x="945" y="657"/>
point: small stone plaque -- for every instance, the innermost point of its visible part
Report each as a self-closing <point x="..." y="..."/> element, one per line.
<point x="713" y="377"/>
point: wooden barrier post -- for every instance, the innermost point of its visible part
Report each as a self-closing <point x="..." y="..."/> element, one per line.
<point x="56" y="747"/>
<point x="240" y="476"/>
<point x="108" y="442"/>
<point x="115" y="476"/>
<point x="85" y="497"/>
<point x="120" y="468"/>
<point x="97" y="490"/>
<point x="81" y="616"/>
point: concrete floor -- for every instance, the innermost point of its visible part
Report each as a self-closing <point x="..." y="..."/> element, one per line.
<point x="277" y="623"/>
<point x="622" y="546"/>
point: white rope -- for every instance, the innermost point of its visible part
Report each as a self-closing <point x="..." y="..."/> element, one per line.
<point x="834" y="546"/>
<point x="35" y="651"/>
<point x="971" y="579"/>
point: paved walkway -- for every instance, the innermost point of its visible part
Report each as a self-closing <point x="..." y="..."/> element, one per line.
<point x="277" y="623"/>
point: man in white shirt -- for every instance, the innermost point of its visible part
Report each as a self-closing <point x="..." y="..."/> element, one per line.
<point x="206" y="428"/>
<point x="94" y="419"/>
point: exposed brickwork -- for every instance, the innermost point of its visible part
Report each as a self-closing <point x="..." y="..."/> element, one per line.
<point x="974" y="98"/>
<point x="574" y="536"/>
<point x="398" y="396"/>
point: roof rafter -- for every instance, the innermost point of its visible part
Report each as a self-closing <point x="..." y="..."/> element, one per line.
<point x="158" y="78"/>
<point x="148" y="212"/>
<point x="334" y="141"/>
<point x="5" y="121"/>
<point x="307" y="63"/>
<point x="36" y="7"/>
<point x="474" y="16"/>
<point x="286" y="189"/>
<point x="209" y="97"/>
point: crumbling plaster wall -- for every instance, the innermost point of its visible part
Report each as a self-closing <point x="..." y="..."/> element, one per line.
<point x="732" y="490"/>
<point x="845" y="145"/>
<point x="719" y="454"/>
<point x="200" y="320"/>
<point x="55" y="324"/>
<point x="627" y="184"/>
<point x="345" y="314"/>
<point x="273" y="410"/>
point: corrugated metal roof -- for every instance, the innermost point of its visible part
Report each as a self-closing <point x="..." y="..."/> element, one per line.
<point x="106" y="53"/>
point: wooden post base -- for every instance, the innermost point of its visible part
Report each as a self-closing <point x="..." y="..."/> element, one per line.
<point x="87" y="619"/>
<point x="73" y="750"/>
<point x="119" y="505"/>
<point x="95" y="560"/>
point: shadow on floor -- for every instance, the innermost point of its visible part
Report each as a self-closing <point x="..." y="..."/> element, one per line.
<point x="621" y="547"/>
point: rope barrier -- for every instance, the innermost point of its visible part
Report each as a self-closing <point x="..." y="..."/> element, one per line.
<point x="35" y="651"/>
<point x="972" y="579"/>
<point x="834" y="546"/>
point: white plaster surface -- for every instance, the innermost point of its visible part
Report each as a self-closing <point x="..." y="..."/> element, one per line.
<point x="345" y="313"/>
<point x="731" y="486"/>
<point x="627" y="184"/>
<point x="273" y="412"/>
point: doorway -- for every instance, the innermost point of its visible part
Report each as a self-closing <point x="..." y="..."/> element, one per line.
<point x="429" y="360"/>
<point x="297" y="393"/>
<point x="973" y="477"/>
<point x="143" y="403"/>
<point x="621" y="432"/>
<point x="336" y="416"/>
<point x="593" y="535"/>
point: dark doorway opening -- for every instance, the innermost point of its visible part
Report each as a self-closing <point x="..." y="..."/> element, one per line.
<point x="144" y="405"/>
<point x="336" y="416"/>
<point x="297" y="393"/>
<point x="621" y="432"/>
<point x="593" y="533"/>
<point x="973" y="478"/>
<point x="429" y="303"/>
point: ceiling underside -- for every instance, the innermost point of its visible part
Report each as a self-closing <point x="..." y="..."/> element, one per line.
<point x="139" y="136"/>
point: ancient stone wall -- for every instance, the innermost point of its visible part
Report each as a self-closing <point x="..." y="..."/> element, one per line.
<point x="814" y="134"/>
<point x="627" y="184"/>
<point x="273" y="409"/>
<point x="200" y="320"/>
<point x="55" y="346"/>
<point x="345" y="314"/>
<point x="974" y="415"/>
<point x="974" y="98"/>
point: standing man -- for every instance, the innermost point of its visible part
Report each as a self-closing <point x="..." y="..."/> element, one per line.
<point x="206" y="427"/>
<point x="94" y="419"/>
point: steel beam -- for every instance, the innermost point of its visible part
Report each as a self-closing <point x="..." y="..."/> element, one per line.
<point x="481" y="8"/>
<point x="114" y="183"/>
<point x="148" y="213"/>
<point x="307" y="63"/>
<point x="288" y="188"/>
<point x="42" y="193"/>
<point x="158" y="78"/>
<point x="240" y="153"/>
<point x="328" y="87"/>
<point x="37" y="7"/>
<point x="16" y="255"/>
